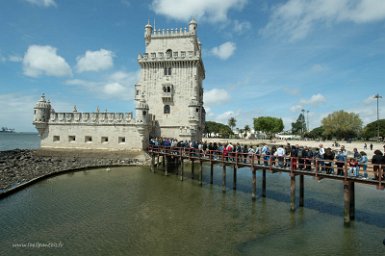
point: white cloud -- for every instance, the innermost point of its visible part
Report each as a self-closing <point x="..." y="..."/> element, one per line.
<point x="297" y="18"/>
<point x="211" y="10"/>
<point x="42" y="3"/>
<point x="296" y="108"/>
<point x="43" y="60"/>
<point x="224" y="117"/>
<point x="319" y="68"/>
<point x="95" y="61"/>
<point x="241" y="26"/>
<point x="314" y="100"/>
<point x="215" y="96"/>
<point x="119" y="85"/>
<point x="224" y="51"/>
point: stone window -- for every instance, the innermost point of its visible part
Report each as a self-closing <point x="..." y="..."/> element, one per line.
<point x="56" y="138"/>
<point x="104" y="139"/>
<point x="166" y="109"/>
<point x="167" y="71"/>
<point x="122" y="140"/>
<point x="88" y="139"/>
<point x="71" y="138"/>
<point x="169" y="53"/>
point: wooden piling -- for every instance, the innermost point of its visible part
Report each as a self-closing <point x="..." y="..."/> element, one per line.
<point x="352" y="201"/>
<point x="181" y="169"/>
<point x="153" y="163"/>
<point x="200" y="173"/>
<point x="347" y="205"/>
<point x="158" y="161"/>
<point x="264" y="182"/>
<point x="165" y="164"/>
<point x="254" y="184"/>
<point x="224" y="178"/>
<point x="192" y="169"/>
<point x="292" y="192"/>
<point x="301" y="190"/>
<point x="235" y="177"/>
<point x="211" y="173"/>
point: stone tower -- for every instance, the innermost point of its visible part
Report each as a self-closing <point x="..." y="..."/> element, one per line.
<point x="171" y="78"/>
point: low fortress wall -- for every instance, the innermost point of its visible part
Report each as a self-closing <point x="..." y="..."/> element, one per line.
<point x="19" y="168"/>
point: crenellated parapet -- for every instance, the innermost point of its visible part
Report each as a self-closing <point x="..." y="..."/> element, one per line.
<point x="91" y="118"/>
<point x="169" y="56"/>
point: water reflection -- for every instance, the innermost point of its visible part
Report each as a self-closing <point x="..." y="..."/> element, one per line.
<point x="133" y="211"/>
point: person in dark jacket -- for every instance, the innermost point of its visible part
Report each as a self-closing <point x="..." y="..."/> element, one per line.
<point x="377" y="160"/>
<point x="329" y="159"/>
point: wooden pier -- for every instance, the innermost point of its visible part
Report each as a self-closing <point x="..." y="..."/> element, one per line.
<point x="297" y="167"/>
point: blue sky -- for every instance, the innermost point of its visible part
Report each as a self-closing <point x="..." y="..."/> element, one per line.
<point x="262" y="57"/>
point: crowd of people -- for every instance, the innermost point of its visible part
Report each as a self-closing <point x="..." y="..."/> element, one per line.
<point x="305" y="158"/>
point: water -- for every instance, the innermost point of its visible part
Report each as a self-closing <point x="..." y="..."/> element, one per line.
<point x="131" y="211"/>
<point x="19" y="140"/>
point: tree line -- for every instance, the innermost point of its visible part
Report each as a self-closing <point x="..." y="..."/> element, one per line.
<point x="339" y="125"/>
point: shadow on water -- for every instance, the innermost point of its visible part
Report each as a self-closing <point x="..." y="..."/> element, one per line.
<point x="244" y="186"/>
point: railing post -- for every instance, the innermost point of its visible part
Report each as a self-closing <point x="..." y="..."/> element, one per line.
<point x="200" y="172"/>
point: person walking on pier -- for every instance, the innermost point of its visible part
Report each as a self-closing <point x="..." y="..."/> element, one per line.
<point x="364" y="163"/>
<point x="341" y="158"/>
<point x="280" y="154"/>
<point x="321" y="154"/>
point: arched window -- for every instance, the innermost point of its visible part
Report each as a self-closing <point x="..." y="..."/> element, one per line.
<point x="169" y="53"/>
<point x="166" y="109"/>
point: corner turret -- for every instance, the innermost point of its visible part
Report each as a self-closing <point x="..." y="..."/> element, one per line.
<point x="42" y="111"/>
<point x="147" y="33"/>
<point x="142" y="115"/>
<point x="192" y="27"/>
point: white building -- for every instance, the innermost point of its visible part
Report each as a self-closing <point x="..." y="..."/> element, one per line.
<point x="169" y="101"/>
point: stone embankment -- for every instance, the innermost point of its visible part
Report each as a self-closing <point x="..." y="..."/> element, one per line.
<point x="19" y="168"/>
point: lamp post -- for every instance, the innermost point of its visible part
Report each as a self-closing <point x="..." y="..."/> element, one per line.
<point x="378" y="96"/>
<point x="307" y="117"/>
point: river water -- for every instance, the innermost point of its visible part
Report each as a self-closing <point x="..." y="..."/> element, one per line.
<point x="131" y="211"/>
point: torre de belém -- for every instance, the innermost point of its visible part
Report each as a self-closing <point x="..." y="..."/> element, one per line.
<point x="169" y="101"/>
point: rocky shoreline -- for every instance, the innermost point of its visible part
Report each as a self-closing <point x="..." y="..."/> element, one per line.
<point x="21" y="167"/>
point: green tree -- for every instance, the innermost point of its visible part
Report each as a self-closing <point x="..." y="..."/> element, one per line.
<point x="370" y="130"/>
<point x="316" y="133"/>
<point x="232" y="122"/>
<point x="246" y="130"/>
<point x="342" y="125"/>
<point x="268" y="125"/>
<point x="214" y="127"/>
<point x="299" y="127"/>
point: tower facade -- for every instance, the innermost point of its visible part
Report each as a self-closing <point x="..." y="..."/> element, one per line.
<point x="171" y="77"/>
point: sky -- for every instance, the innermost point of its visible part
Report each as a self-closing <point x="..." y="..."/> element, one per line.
<point x="262" y="57"/>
